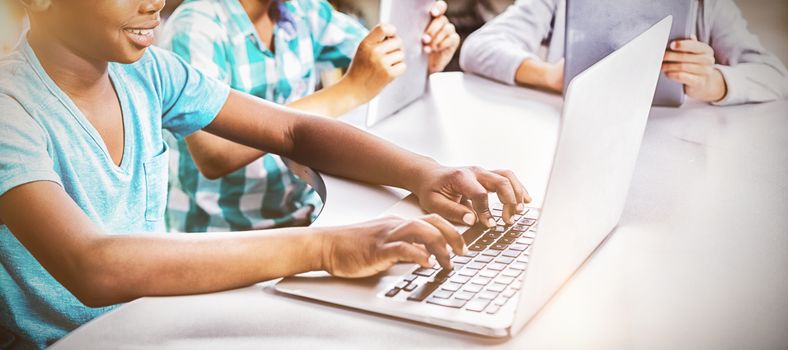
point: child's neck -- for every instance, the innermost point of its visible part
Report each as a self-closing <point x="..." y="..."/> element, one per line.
<point x="76" y="75"/>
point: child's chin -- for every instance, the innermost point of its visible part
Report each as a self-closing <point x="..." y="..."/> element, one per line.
<point x="131" y="56"/>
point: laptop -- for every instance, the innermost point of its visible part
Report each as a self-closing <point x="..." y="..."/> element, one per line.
<point x="596" y="28"/>
<point x="411" y="18"/>
<point x="511" y="271"/>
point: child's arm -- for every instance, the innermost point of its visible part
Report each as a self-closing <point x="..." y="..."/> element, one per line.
<point x="378" y="61"/>
<point x="508" y="45"/>
<point x="336" y="148"/>
<point x="101" y="269"/>
<point x="749" y="72"/>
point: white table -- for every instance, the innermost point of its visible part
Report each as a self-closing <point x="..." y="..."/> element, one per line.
<point x="699" y="261"/>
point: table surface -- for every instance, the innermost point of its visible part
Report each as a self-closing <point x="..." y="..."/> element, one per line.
<point x="699" y="260"/>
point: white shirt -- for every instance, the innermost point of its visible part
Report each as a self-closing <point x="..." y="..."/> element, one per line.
<point x="751" y="72"/>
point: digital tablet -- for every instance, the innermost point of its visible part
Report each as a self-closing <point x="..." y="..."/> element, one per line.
<point x="411" y="18"/>
<point x="596" y="28"/>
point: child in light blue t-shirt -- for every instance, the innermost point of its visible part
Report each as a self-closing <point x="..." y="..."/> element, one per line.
<point x="84" y="101"/>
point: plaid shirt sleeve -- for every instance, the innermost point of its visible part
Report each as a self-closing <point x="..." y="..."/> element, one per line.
<point x="199" y="38"/>
<point x="335" y="35"/>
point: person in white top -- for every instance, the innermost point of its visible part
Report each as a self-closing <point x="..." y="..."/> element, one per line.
<point x="723" y="64"/>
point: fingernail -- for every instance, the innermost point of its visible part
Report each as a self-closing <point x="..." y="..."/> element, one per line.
<point x="435" y="12"/>
<point x="469" y="219"/>
<point x="426" y="38"/>
<point x="520" y="207"/>
<point x="490" y="222"/>
<point x="427" y="50"/>
<point x="465" y="250"/>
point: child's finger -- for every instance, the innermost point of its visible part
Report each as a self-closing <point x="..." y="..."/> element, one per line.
<point x="447" y="31"/>
<point x="389" y="46"/>
<point x="393" y="58"/>
<point x="439" y="8"/>
<point x="693" y="68"/>
<point x="691" y="46"/>
<point x="433" y="29"/>
<point x="381" y="32"/>
<point x="451" y="41"/>
<point x="673" y="56"/>
<point x="685" y="78"/>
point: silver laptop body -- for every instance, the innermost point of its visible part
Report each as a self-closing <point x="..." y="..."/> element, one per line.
<point x="604" y="119"/>
<point x="596" y="28"/>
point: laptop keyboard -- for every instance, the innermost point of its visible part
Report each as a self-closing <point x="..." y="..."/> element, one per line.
<point x="484" y="279"/>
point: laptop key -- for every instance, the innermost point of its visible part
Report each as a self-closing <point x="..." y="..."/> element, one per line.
<point x="468" y="272"/>
<point x="473" y="233"/>
<point x="518" y="247"/>
<point x="504" y="280"/>
<point x="475" y="265"/>
<point x="509" y="292"/>
<point x="496" y="287"/>
<point x="410" y="287"/>
<point x="410" y="278"/>
<point x="532" y="213"/>
<point x="525" y="240"/>
<point x="442" y="294"/>
<point x="485" y="241"/>
<point x="493" y="309"/>
<point x="460" y="279"/>
<point x="527" y="222"/>
<point x="471" y="253"/>
<point x="477" y="247"/>
<point x="499" y="246"/>
<point x="477" y="305"/>
<point x="488" y="273"/>
<point x="500" y="300"/>
<point x="496" y="266"/>
<point x="511" y="253"/>
<point x="421" y="292"/>
<point x="504" y="260"/>
<point x="480" y="280"/>
<point x="424" y="271"/>
<point x="473" y="288"/>
<point x="491" y="252"/>
<point x="401" y="284"/>
<point x="511" y="273"/>
<point x="518" y="266"/>
<point x="464" y="295"/>
<point x="484" y="259"/>
<point x="461" y="260"/>
<point x="506" y="240"/>
<point x="391" y="293"/>
<point x="492" y="235"/>
<point x="451" y="286"/>
<point x="453" y="303"/>
<point x="519" y="228"/>
<point x="490" y="295"/>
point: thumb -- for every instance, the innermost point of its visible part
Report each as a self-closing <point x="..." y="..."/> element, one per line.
<point x="381" y="32"/>
<point x="449" y="209"/>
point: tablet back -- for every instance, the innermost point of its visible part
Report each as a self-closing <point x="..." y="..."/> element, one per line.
<point x="596" y="28"/>
<point x="411" y="18"/>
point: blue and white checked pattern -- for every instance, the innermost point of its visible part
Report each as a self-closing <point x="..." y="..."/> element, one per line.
<point x="218" y="38"/>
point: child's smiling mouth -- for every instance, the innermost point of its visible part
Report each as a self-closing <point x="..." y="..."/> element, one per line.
<point x="142" y="35"/>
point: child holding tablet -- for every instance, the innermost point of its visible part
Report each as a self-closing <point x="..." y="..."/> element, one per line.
<point x="83" y="177"/>
<point x="274" y="50"/>
<point x="724" y="64"/>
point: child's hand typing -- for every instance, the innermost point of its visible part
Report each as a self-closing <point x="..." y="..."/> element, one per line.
<point x="369" y="248"/>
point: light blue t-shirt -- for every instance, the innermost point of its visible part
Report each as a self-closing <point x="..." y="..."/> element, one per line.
<point x="44" y="137"/>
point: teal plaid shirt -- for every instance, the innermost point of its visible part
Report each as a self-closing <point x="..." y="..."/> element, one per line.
<point x="218" y="38"/>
